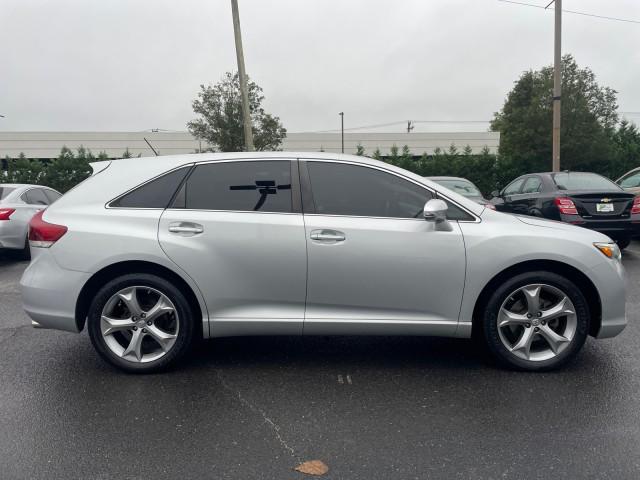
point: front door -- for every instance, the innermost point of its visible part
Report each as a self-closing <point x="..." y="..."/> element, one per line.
<point x="235" y="230"/>
<point x="375" y="265"/>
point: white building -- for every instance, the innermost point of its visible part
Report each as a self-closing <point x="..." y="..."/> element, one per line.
<point x="46" y="145"/>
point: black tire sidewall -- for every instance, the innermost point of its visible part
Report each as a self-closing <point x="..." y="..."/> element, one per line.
<point x="490" y="324"/>
<point x="185" y="315"/>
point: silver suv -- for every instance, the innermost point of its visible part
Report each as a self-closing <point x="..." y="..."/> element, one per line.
<point x="152" y="254"/>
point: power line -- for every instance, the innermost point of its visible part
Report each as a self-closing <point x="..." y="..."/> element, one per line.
<point x="400" y="122"/>
<point x="584" y="14"/>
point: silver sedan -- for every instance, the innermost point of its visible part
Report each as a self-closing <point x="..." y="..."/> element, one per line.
<point x="18" y="203"/>
<point x="151" y="254"/>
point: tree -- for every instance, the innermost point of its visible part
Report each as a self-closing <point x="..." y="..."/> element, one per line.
<point x="220" y="117"/>
<point x="359" y="150"/>
<point x="68" y="169"/>
<point x="23" y="170"/>
<point x="589" y="116"/>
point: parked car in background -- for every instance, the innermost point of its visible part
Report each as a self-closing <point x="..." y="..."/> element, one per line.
<point x="18" y="203"/>
<point x="580" y="198"/>
<point x="463" y="187"/>
<point x="630" y="181"/>
<point x="151" y="254"/>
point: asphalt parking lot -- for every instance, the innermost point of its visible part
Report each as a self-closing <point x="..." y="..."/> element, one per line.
<point x="370" y="408"/>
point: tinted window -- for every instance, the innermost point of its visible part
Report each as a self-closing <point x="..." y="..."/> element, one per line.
<point x="340" y="189"/>
<point x="4" y="191"/>
<point x="583" y="181"/>
<point x="51" y="195"/>
<point x="531" y="185"/>
<point x="460" y="186"/>
<point x="36" y="196"/>
<point x="631" y="181"/>
<point x="154" y="194"/>
<point x="513" y="187"/>
<point x="242" y="186"/>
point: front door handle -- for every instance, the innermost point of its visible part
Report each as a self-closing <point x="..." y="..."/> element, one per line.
<point x="186" y="228"/>
<point x="327" y="236"/>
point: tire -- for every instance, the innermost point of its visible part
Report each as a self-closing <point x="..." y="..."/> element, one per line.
<point x="25" y="253"/>
<point x="162" y="335"/>
<point x="623" y="242"/>
<point x="508" y="343"/>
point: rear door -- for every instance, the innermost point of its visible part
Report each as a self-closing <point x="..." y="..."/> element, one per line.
<point x="525" y="201"/>
<point x="236" y="228"/>
<point x="375" y="265"/>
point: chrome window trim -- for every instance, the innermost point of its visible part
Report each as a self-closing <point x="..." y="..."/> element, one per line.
<point x="476" y="218"/>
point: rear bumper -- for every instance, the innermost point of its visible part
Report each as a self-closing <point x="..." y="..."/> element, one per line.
<point x="49" y="292"/>
<point x="615" y="228"/>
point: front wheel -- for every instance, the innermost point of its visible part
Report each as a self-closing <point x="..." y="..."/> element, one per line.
<point x="536" y="321"/>
<point x="140" y="323"/>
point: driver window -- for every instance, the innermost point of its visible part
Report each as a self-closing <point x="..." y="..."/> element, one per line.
<point x="344" y="189"/>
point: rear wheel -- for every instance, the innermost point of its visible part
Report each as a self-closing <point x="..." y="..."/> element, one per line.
<point x="536" y="321"/>
<point x="140" y="323"/>
<point x="25" y="253"/>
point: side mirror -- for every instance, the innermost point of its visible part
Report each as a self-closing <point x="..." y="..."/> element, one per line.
<point x="435" y="210"/>
<point x="495" y="193"/>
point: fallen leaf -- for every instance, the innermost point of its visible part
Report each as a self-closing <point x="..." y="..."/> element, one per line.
<point x="312" y="467"/>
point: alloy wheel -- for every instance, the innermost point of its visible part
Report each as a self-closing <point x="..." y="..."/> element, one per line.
<point x="139" y="324"/>
<point x="537" y="322"/>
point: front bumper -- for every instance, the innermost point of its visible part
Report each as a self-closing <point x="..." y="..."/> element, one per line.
<point x="610" y="280"/>
<point x="50" y="293"/>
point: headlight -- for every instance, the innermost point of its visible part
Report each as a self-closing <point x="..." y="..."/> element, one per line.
<point x="609" y="250"/>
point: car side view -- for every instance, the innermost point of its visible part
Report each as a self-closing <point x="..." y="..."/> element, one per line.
<point x="18" y="203"/>
<point x="151" y="254"/>
<point x="580" y="198"/>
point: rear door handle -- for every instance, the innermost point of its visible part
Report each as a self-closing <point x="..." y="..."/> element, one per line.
<point x="186" y="229"/>
<point x="327" y="236"/>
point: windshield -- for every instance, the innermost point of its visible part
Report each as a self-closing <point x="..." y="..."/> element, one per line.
<point x="583" y="181"/>
<point x="5" y="191"/>
<point x="463" y="187"/>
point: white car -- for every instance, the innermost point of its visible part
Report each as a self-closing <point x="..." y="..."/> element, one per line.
<point x="18" y="203"/>
<point x="150" y="254"/>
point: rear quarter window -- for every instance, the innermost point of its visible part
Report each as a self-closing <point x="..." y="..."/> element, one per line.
<point x="156" y="193"/>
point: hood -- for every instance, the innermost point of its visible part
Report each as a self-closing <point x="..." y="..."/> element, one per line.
<point x="562" y="226"/>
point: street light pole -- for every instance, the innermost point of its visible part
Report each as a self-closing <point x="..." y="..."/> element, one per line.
<point x="342" y="129"/>
<point x="557" y="86"/>
<point x="246" y="114"/>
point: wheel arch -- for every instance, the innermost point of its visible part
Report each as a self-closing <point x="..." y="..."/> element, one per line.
<point x="581" y="280"/>
<point x="114" y="270"/>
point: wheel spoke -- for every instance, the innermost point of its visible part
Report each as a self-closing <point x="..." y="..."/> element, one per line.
<point x="552" y="338"/>
<point x="164" y="339"/>
<point x="130" y="299"/>
<point x="532" y="295"/>
<point x="561" y="309"/>
<point x="524" y="343"/>
<point x="135" y="345"/>
<point x="113" y="325"/>
<point x="161" y="307"/>
<point x="510" y="318"/>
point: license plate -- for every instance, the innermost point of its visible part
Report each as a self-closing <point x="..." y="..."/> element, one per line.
<point x="604" y="207"/>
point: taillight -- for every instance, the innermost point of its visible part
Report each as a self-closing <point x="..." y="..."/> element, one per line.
<point x="566" y="206"/>
<point x="5" y="213"/>
<point x="490" y="206"/>
<point x="636" y="206"/>
<point x="44" y="234"/>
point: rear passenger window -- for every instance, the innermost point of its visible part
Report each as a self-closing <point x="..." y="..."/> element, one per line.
<point x="263" y="186"/>
<point x="36" y="196"/>
<point x="154" y="194"/>
<point x="51" y="195"/>
<point x="531" y="185"/>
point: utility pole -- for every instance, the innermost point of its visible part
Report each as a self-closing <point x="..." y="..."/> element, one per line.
<point x="246" y="114"/>
<point x="342" y="129"/>
<point x="557" y="85"/>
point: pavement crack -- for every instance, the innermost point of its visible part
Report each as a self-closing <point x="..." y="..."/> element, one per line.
<point x="257" y="410"/>
<point x="13" y="333"/>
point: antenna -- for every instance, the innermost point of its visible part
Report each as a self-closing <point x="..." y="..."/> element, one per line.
<point x="150" y="146"/>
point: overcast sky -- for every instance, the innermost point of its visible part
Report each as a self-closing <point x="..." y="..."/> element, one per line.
<point x="131" y="65"/>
